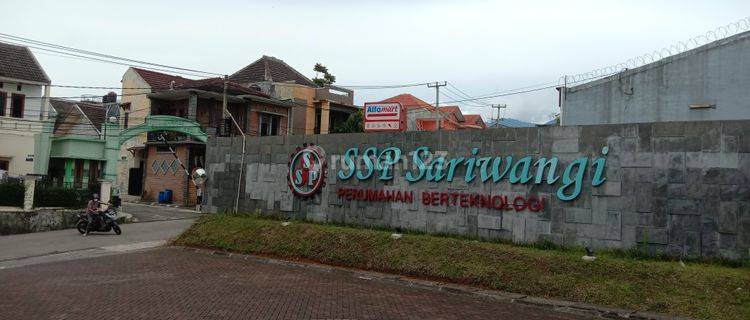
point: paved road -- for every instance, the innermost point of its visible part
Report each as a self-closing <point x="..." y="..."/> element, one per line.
<point x="171" y="283"/>
<point x="157" y="213"/>
<point x="32" y="248"/>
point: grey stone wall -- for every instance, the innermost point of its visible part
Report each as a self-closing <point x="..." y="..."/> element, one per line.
<point x="681" y="188"/>
<point x="13" y="221"/>
<point x="716" y="74"/>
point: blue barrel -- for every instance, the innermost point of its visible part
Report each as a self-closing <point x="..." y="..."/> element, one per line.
<point x="168" y="195"/>
<point x="161" y="197"/>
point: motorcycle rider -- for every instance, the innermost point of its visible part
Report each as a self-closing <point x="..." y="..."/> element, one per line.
<point x="92" y="213"/>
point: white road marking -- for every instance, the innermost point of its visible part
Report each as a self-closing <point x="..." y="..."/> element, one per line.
<point x="135" y="246"/>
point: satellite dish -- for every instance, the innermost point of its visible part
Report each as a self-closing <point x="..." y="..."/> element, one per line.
<point x="199" y="176"/>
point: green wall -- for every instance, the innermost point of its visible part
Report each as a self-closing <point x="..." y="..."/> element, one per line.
<point x="77" y="148"/>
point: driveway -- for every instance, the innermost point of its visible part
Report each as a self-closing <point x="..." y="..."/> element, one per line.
<point x="172" y="283"/>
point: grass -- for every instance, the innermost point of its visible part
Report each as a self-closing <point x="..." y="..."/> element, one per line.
<point x="615" y="279"/>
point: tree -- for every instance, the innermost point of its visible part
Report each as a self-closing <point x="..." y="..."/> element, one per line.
<point x="353" y="124"/>
<point x="327" y="80"/>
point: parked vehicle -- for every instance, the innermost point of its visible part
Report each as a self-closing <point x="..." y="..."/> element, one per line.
<point x="106" y="222"/>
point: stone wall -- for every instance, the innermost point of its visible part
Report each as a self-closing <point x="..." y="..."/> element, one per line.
<point x="681" y="188"/>
<point x="16" y="220"/>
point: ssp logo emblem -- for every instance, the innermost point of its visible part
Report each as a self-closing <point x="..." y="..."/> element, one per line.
<point x="307" y="170"/>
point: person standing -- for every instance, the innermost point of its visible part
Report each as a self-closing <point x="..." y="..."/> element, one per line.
<point x="199" y="198"/>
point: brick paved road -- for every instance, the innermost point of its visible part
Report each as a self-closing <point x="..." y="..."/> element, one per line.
<point x="170" y="283"/>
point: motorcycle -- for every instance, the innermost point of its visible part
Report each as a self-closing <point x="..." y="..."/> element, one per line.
<point x="106" y="222"/>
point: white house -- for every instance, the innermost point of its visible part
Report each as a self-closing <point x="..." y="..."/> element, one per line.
<point x="24" y="95"/>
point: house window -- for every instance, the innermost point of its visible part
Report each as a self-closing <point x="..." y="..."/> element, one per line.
<point x="16" y="105"/>
<point x="19" y="87"/>
<point x="4" y="164"/>
<point x="126" y="112"/>
<point x="3" y="103"/>
<point x="268" y="124"/>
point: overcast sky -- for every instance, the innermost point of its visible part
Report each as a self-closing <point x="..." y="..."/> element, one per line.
<point x="478" y="46"/>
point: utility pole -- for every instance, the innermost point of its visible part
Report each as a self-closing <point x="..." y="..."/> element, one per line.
<point x="437" y="86"/>
<point x="498" y="107"/>
<point x="228" y="115"/>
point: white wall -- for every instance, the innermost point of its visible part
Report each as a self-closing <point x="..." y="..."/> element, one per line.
<point x="33" y="103"/>
<point x="17" y="134"/>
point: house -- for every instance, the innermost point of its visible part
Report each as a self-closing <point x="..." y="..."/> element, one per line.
<point x="422" y="116"/>
<point x="707" y="83"/>
<point x="154" y="162"/>
<point x="320" y="109"/>
<point x="77" y="146"/>
<point x="24" y="92"/>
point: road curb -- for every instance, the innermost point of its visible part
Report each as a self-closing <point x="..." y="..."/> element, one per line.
<point x="556" y="305"/>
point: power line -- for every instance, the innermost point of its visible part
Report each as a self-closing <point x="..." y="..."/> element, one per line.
<point x="98" y="59"/>
<point x="464" y="94"/>
<point x="107" y="56"/>
<point x="454" y="94"/>
<point x="394" y="86"/>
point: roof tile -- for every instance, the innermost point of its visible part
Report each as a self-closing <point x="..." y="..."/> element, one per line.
<point x="18" y="62"/>
<point x="270" y="69"/>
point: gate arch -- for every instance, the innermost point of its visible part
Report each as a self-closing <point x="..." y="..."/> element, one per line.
<point x="168" y="123"/>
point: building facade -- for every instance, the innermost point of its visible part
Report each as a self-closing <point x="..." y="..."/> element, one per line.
<point x="24" y="92"/>
<point x="161" y="159"/>
<point x="707" y="83"/>
<point x="76" y="147"/>
<point x="319" y="109"/>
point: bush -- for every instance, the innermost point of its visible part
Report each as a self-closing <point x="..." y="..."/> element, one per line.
<point x="12" y="194"/>
<point x="60" y="197"/>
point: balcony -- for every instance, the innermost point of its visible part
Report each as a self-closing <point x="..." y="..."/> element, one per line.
<point x="337" y="95"/>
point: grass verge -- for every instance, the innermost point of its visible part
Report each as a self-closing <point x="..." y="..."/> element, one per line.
<point x="697" y="290"/>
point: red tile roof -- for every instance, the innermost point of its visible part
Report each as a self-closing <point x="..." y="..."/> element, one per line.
<point x="454" y="112"/>
<point x="453" y="118"/>
<point x="474" y="119"/>
<point x="408" y="101"/>
<point x="161" y="81"/>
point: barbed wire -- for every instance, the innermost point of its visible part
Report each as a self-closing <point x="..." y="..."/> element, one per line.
<point x="719" y="33"/>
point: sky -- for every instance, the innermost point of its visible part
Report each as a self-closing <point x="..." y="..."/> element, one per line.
<point x="479" y="47"/>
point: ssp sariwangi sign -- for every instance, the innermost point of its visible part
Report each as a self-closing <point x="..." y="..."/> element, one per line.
<point x="380" y="117"/>
<point x="307" y="170"/>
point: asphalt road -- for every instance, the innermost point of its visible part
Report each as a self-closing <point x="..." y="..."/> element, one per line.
<point x="171" y="283"/>
<point x="41" y="247"/>
<point x="146" y="213"/>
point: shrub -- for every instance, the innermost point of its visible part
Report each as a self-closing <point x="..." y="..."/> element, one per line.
<point x="12" y="194"/>
<point x="60" y="197"/>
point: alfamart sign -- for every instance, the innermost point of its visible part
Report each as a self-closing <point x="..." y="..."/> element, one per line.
<point x="308" y="166"/>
